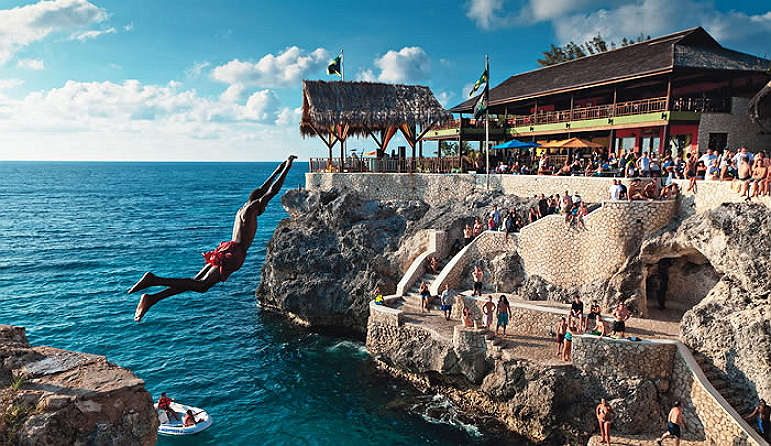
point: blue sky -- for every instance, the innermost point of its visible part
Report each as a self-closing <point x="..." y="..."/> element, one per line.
<point x="198" y="80"/>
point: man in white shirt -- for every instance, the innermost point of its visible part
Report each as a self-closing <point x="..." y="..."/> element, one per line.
<point x="615" y="190"/>
<point x="644" y="165"/>
<point x="708" y="157"/>
<point x="742" y="153"/>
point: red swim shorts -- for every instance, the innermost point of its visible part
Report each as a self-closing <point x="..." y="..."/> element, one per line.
<point x="229" y="256"/>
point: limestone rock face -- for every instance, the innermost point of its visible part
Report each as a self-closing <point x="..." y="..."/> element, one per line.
<point x="323" y="263"/>
<point x="732" y="324"/>
<point x="56" y="397"/>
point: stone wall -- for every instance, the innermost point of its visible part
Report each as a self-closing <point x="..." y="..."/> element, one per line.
<point x="670" y="365"/>
<point x="524" y="319"/>
<point x="705" y="412"/>
<point x="440" y="188"/>
<point x="570" y="257"/>
<point x="382" y="315"/>
<point x="487" y="243"/>
<point x="621" y="359"/>
<point x="709" y="195"/>
<point x="741" y="131"/>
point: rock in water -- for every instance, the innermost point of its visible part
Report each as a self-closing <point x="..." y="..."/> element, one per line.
<point x="55" y="397"/>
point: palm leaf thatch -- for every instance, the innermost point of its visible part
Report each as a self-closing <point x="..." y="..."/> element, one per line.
<point x="367" y="107"/>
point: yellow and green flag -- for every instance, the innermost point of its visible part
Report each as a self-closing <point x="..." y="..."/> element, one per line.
<point x="483" y="79"/>
<point x="335" y="66"/>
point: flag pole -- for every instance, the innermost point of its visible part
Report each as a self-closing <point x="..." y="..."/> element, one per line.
<point x="487" y="123"/>
<point x="342" y="79"/>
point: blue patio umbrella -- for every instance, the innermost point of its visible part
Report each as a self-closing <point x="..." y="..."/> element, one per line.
<point x="514" y="144"/>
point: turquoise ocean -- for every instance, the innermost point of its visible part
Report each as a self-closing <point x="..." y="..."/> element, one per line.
<point x="77" y="235"/>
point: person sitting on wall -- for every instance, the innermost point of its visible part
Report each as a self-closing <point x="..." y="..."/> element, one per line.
<point x="651" y="190"/>
<point x="564" y="170"/>
<point x="636" y="191"/>
<point x="594" y="313"/>
<point x="379" y="300"/>
<point x="728" y="171"/>
<point x="713" y="170"/>
<point x="543" y="165"/>
<point x="670" y="191"/>
<point x="600" y="328"/>
<point x="576" y="312"/>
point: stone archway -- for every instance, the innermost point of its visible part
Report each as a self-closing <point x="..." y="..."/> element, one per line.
<point x="675" y="282"/>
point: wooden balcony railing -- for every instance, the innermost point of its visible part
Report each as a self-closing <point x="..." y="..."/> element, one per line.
<point x="403" y="165"/>
<point x="628" y="108"/>
<point x="598" y="112"/>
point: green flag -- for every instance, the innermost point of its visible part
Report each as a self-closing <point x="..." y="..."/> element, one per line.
<point x="483" y="79"/>
<point x="481" y="105"/>
<point x="335" y="66"/>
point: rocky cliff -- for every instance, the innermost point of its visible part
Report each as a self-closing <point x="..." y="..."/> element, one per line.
<point x="54" y="397"/>
<point x="323" y="263"/>
<point x="724" y="256"/>
<point x="710" y="270"/>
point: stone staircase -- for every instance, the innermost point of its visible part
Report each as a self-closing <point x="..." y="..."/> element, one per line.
<point x="715" y="377"/>
<point x="411" y="299"/>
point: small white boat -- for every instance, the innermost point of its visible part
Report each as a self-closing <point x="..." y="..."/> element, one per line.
<point x="175" y="427"/>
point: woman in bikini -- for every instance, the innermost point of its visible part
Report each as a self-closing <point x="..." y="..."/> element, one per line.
<point x="605" y="415"/>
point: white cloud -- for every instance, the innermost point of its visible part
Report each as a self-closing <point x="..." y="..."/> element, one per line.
<point x="131" y="120"/>
<point x="31" y="64"/>
<point x="196" y="69"/>
<point x="491" y="14"/>
<point x="579" y="20"/>
<point x="261" y="106"/>
<point x="444" y="97"/>
<point x="83" y="36"/>
<point x="21" y="26"/>
<point x="7" y="84"/>
<point x="366" y="76"/>
<point x="289" y="116"/>
<point x="285" y="70"/>
<point x="408" y="65"/>
<point x="234" y="93"/>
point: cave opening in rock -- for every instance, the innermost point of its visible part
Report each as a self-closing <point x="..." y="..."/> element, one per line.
<point x="674" y="285"/>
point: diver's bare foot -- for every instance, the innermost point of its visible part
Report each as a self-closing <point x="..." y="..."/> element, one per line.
<point x="292" y="157"/>
<point x="142" y="308"/>
<point x="143" y="283"/>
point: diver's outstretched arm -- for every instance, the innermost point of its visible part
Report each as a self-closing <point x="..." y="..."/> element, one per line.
<point x="260" y="191"/>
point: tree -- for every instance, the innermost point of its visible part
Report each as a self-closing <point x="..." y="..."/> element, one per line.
<point x="450" y="149"/>
<point x="572" y="50"/>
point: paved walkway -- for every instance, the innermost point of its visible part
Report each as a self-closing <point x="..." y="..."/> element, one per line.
<point x="640" y="440"/>
<point x="539" y="346"/>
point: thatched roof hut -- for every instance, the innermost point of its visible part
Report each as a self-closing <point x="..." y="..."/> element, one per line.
<point x="336" y="110"/>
